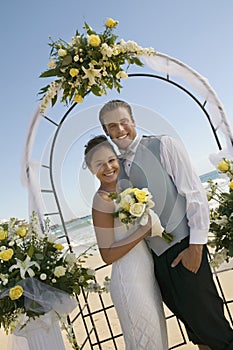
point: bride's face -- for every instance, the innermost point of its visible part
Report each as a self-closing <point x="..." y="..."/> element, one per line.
<point x="104" y="165"/>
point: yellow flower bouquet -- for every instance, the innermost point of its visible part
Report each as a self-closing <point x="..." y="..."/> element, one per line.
<point x="134" y="205"/>
<point x="37" y="274"/>
<point x="91" y="62"/>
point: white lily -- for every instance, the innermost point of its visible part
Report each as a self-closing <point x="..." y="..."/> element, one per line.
<point x="25" y="266"/>
<point x="91" y="73"/>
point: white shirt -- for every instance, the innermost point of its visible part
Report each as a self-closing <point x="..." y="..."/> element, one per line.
<point x="176" y="162"/>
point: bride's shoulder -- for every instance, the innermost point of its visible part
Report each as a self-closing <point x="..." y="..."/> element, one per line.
<point x="102" y="202"/>
<point x="102" y="195"/>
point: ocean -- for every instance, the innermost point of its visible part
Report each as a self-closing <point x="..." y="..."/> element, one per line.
<point x="213" y="175"/>
<point x="81" y="231"/>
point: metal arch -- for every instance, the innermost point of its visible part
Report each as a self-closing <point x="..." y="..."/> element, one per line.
<point x="51" y="173"/>
<point x="202" y="106"/>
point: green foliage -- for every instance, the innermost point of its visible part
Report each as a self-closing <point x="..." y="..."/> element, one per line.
<point x="221" y="220"/>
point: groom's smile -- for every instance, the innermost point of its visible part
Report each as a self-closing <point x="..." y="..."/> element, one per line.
<point x="120" y="127"/>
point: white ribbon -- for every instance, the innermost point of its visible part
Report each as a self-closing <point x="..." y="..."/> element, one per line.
<point x="156" y="229"/>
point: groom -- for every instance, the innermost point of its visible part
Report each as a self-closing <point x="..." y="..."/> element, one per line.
<point x="181" y="267"/>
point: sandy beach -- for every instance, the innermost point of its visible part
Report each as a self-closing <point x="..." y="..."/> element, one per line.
<point x="174" y="332"/>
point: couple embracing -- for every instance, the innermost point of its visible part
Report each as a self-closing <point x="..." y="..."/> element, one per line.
<point x="147" y="269"/>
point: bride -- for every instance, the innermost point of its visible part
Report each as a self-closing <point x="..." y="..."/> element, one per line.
<point x="134" y="291"/>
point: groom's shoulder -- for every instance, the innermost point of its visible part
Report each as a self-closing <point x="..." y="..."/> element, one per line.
<point x="151" y="139"/>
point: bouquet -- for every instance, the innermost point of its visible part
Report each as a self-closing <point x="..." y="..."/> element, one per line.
<point x="91" y="62"/>
<point x="221" y="216"/>
<point x="133" y="206"/>
<point x="37" y="274"/>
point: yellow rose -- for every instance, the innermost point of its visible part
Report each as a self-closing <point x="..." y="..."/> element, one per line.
<point x="137" y="209"/>
<point x="231" y="185"/>
<point x="94" y="40"/>
<point x="78" y="98"/>
<point x="74" y="72"/>
<point x="59" y="246"/>
<point x="140" y="195"/>
<point x="3" y="234"/>
<point x="22" y="231"/>
<point x="110" y="23"/>
<point x="6" y="254"/>
<point x="223" y="166"/>
<point x="16" y="292"/>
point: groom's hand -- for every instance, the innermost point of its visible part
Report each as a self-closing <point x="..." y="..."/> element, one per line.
<point x="190" y="257"/>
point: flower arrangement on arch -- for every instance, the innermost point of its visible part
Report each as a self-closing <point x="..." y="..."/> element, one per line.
<point x="134" y="205"/>
<point x="91" y="62"/>
<point x="221" y="216"/>
<point x="37" y="274"/>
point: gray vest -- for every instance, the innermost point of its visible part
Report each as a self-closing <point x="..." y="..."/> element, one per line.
<point x="147" y="171"/>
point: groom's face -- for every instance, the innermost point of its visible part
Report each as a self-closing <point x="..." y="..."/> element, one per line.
<point x="120" y="127"/>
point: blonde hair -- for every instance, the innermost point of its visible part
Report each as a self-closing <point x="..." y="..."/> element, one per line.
<point x="111" y="106"/>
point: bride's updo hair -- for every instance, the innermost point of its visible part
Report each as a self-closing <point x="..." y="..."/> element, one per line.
<point x="92" y="146"/>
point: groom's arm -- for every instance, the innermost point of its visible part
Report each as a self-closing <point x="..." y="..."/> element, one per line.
<point x="177" y="163"/>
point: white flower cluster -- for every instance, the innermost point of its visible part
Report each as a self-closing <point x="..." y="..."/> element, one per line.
<point x="4" y="278"/>
<point x="132" y="47"/>
<point x="218" y="259"/>
<point x="50" y="94"/>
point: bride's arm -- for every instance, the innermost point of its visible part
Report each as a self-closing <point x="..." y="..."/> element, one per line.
<point x="103" y="220"/>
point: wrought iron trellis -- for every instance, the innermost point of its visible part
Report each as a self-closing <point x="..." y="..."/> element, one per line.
<point x="93" y="339"/>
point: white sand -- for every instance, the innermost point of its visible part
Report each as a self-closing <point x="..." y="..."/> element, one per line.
<point x="173" y="330"/>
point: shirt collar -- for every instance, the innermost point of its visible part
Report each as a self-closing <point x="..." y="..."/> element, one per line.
<point x="131" y="149"/>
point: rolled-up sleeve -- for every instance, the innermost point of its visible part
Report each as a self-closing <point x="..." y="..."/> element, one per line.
<point x="176" y="162"/>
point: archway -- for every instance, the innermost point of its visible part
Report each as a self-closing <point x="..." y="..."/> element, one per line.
<point x="218" y="122"/>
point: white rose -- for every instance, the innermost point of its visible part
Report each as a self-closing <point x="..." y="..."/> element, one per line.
<point x="137" y="209"/>
<point x="62" y="52"/>
<point x="59" y="271"/>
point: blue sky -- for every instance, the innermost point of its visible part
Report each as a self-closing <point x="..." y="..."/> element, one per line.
<point x="199" y="33"/>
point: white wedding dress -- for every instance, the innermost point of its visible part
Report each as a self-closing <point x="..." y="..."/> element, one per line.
<point x="136" y="297"/>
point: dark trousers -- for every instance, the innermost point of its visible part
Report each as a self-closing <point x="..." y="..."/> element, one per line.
<point x="194" y="299"/>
